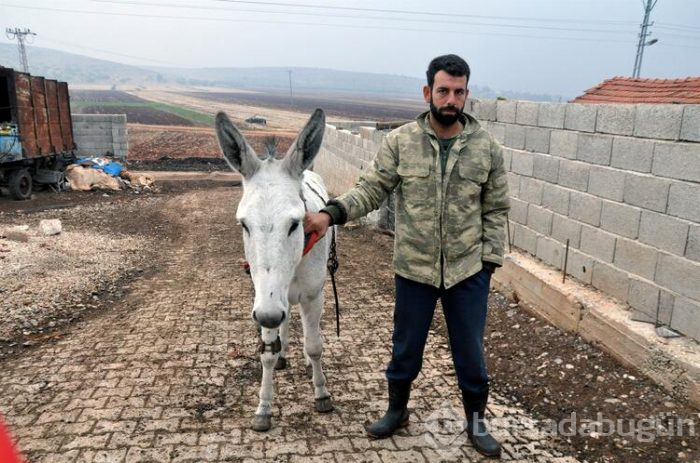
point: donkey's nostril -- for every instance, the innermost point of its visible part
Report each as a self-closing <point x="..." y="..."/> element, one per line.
<point x="284" y="315"/>
<point x="255" y="317"/>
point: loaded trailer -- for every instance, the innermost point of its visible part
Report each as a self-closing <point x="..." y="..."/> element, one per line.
<point x="36" y="132"/>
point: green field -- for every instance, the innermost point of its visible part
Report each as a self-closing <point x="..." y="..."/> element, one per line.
<point x="195" y="117"/>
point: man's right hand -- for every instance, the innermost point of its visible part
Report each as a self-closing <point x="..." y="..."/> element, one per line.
<point x="317" y="222"/>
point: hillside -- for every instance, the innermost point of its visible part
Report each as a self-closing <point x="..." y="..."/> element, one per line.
<point x="79" y="69"/>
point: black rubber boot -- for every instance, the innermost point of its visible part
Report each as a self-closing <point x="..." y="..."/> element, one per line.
<point x="396" y="415"/>
<point x="479" y="436"/>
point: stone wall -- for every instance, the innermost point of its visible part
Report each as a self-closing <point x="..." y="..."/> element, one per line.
<point x="621" y="183"/>
<point x="101" y="134"/>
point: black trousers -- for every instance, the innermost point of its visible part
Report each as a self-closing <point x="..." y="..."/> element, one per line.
<point x="464" y="306"/>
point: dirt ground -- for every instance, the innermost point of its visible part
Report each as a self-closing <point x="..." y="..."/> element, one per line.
<point x="155" y="142"/>
<point x="534" y="365"/>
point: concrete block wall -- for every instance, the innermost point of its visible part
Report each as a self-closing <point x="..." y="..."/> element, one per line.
<point x="622" y="184"/>
<point x="101" y="134"/>
<point x="345" y="154"/>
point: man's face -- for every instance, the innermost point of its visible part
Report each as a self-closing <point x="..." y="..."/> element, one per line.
<point x="447" y="97"/>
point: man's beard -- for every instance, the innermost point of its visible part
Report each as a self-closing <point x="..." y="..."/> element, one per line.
<point x="443" y="119"/>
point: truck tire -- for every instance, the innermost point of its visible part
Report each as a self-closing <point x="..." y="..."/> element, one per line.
<point x="20" y="183"/>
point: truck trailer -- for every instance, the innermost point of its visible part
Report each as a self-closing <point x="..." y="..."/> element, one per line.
<point x="36" y="132"/>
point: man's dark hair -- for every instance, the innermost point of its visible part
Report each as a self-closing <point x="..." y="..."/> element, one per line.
<point x="451" y="64"/>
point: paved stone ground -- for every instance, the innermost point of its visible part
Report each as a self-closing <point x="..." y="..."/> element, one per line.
<point x="171" y="374"/>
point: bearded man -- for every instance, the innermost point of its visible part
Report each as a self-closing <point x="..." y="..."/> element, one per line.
<point x="451" y="208"/>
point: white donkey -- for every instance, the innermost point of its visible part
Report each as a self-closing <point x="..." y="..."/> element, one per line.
<point x="276" y="194"/>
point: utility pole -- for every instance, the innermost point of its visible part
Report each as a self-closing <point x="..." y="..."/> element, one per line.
<point x="20" y="35"/>
<point x="643" y="34"/>
<point x="291" y="98"/>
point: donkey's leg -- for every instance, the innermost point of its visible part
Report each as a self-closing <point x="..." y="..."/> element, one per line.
<point x="313" y="347"/>
<point x="262" y="421"/>
<point x="284" y="338"/>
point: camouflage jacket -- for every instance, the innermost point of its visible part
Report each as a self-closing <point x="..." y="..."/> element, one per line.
<point x="445" y="227"/>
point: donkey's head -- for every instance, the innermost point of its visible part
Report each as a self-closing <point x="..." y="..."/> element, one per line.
<point x="271" y="212"/>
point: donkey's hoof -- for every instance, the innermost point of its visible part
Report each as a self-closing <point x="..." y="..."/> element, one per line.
<point x="262" y="423"/>
<point x="309" y="371"/>
<point x="281" y="364"/>
<point x="324" y="405"/>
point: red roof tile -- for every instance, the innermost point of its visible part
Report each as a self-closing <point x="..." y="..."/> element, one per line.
<point x="630" y="90"/>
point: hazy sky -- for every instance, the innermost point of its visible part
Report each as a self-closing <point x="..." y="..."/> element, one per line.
<point x="544" y="46"/>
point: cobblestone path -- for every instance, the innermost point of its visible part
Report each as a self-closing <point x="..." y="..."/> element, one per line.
<point x="172" y="374"/>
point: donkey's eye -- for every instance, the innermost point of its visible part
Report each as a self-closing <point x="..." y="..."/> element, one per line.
<point x="294" y="226"/>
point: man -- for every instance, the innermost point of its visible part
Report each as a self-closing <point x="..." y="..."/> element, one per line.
<point x="451" y="208"/>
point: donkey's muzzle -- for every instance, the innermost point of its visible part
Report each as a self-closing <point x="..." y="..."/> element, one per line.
<point x="270" y="319"/>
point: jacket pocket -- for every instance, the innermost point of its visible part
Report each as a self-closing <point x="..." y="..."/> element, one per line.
<point x="473" y="172"/>
<point x="413" y="170"/>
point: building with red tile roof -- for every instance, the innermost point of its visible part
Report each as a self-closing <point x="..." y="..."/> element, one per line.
<point x="631" y="90"/>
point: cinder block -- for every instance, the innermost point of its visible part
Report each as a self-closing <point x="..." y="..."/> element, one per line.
<point x="580" y="117"/>
<point x="574" y="174"/>
<point x="531" y="190"/>
<point x="513" y="184"/>
<point x="546" y="167"/>
<point x="507" y="159"/>
<point x="580" y="266"/>
<point x="611" y="280"/>
<point x="499" y="132"/>
<point x="485" y="109"/>
<point x="692" y="250"/>
<point x="585" y="208"/>
<point x="555" y="198"/>
<point x="539" y="219"/>
<point x="664" y="232"/>
<point x="679" y="275"/>
<point x="518" y="211"/>
<point x="683" y="201"/>
<point x="537" y="139"/>
<point x="644" y="296"/>
<point x="563" y="143"/>
<point x="636" y="258"/>
<point x="686" y="317"/>
<point x="551" y="115"/>
<point x="620" y="219"/>
<point x="522" y="163"/>
<point x="658" y="121"/>
<point x="594" y="148"/>
<point x="690" y="126"/>
<point x="666" y="302"/>
<point x="563" y="228"/>
<point x="677" y="160"/>
<point x="515" y="136"/>
<point x="525" y="239"/>
<point x="616" y="119"/>
<point x="505" y="111"/>
<point x="550" y="251"/>
<point x="647" y="192"/>
<point x="597" y="243"/>
<point x="606" y="183"/>
<point x="526" y="113"/>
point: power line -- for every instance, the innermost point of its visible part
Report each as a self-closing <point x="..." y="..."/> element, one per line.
<point x="299" y="23"/>
<point x="407" y="12"/>
<point x="346" y="16"/>
<point x="372" y="10"/>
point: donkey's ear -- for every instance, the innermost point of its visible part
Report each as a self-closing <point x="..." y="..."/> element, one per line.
<point x="237" y="152"/>
<point x="305" y="148"/>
